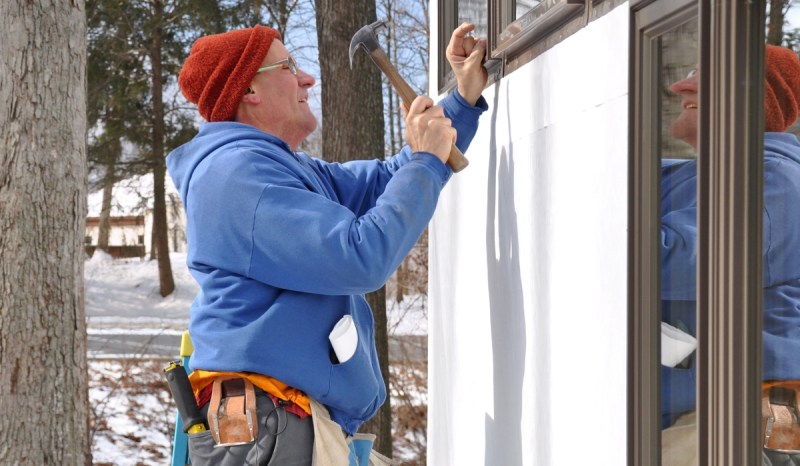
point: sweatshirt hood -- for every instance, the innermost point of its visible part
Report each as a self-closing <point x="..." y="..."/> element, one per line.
<point x="783" y="144"/>
<point x="212" y="137"/>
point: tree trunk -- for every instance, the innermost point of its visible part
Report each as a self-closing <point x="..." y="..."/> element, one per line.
<point x="109" y="179"/>
<point x="395" y="128"/>
<point x="775" y="26"/>
<point x="395" y="115"/>
<point x="280" y="11"/>
<point x="43" y="381"/>
<point x="160" y="230"/>
<point x="153" y="243"/>
<point x="346" y="138"/>
<point x="381" y="423"/>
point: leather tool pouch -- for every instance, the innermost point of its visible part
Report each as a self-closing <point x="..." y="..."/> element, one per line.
<point x="232" y="412"/>
<point x="780" y="422"/>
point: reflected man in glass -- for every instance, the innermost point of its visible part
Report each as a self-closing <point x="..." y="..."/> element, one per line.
<point x="781" y="331"/>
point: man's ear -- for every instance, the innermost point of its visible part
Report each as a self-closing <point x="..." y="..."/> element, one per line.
<point x="251" y="98"/>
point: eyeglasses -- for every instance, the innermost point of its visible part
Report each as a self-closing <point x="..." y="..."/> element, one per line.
<point x="286" y="63"/>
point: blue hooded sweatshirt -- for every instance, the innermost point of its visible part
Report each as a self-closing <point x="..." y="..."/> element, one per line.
<point x="283" y="245"/>
<point x="781" y="324"/>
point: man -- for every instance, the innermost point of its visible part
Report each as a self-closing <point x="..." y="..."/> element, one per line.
<point x="284" y="246"/>
<point x="781" y="324"/>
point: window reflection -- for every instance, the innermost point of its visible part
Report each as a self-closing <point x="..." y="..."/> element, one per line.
<point x="679" y="136"/>
<point x="780" y="429"/>
<point x="678" y="57"/>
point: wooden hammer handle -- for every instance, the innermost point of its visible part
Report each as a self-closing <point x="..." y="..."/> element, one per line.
<point x="457" y="161"/>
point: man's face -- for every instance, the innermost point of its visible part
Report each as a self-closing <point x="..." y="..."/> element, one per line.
<point x="685" y="126"/>
<point x="283" y="109"/>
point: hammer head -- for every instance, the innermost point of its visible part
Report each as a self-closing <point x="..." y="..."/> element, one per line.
<point x="366" y="38"/>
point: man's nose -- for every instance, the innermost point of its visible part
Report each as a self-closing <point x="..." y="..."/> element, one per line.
<point x="684" y="86"/>
<point x="305" y="79"/>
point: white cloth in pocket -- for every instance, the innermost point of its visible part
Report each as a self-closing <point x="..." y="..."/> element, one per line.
<point x="344" y="338"/>
<point x="676" y="345"/>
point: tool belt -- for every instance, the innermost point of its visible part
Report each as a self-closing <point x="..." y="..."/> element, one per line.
<point x="232" y="412"/>
<point x="780" y="419"/>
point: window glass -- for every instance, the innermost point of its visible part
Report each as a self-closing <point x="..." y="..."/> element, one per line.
<point x="476" y="12"/>
<point x="780" y="432"/>
<point x="679" y="97"/>
<point x="523" y="6"/>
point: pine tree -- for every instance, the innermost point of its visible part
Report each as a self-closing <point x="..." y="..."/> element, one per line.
<point x="136" y="50"/>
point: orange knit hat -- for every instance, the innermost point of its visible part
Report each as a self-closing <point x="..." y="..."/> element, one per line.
<point x="782" y="90"/>
<point x="220" y="67"/>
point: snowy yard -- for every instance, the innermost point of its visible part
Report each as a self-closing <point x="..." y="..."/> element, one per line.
<point x="132" y="413"/>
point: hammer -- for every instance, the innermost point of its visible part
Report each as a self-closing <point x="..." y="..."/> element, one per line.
<point x="365" y="38"/>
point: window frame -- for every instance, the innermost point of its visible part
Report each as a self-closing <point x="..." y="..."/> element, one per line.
<point x="541" y="20"/>
<point x="730" y="211"/>
<point x="730" y="207"/>
<point x="648" y="24"/>
<point x="541" y="28"/>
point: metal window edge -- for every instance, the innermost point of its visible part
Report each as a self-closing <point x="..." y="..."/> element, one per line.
<point x="540" y="21"/>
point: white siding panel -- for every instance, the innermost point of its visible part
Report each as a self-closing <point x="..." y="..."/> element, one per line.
<point x="527" y="320"/>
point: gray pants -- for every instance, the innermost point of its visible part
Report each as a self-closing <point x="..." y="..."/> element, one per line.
<point x="774" y="458"/>
<point x="283" y="439"/>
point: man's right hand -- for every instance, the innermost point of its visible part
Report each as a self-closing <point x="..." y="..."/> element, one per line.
<point x="428" y="130"/>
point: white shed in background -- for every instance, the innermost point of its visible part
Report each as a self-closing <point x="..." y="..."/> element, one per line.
<point x="132" y="215"/>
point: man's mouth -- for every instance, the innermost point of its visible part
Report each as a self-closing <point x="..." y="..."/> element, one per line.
<point x="690" y="106"/>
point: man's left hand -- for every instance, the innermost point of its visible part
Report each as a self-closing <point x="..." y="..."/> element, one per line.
<point x="466" y="54"/>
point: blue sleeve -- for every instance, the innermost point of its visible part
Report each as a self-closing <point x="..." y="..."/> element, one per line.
<point x="305" y="242"/>
<point x="781" y="227"/>
<point x="359" y="183"/>
<point x="679" y="254"/>
<point x="463" y="116"/>
<point x="678" y="229"/>
<point x="370" y="176"/>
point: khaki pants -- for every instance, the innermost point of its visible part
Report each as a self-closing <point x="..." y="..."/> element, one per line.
<point x="332" y="448"/>
<point x="679" y="442"/>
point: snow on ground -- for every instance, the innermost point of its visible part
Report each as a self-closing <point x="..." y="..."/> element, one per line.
<point x="132" y="411"/>
<point x="126" y="292"/>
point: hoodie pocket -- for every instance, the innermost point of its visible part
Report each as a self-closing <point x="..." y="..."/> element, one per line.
<point x="354" y="386"/>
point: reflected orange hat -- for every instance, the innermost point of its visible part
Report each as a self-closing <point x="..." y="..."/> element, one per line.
<point x="220" y="67"/>
<point x="782" y="89"/>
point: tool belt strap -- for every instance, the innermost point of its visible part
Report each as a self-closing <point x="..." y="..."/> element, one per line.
<point x="232" y="413"/>
<point x="780" y="420"/>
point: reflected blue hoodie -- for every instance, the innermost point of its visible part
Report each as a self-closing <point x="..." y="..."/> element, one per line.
<point x="781" y="324"/>
<point x="283" y="245"/>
